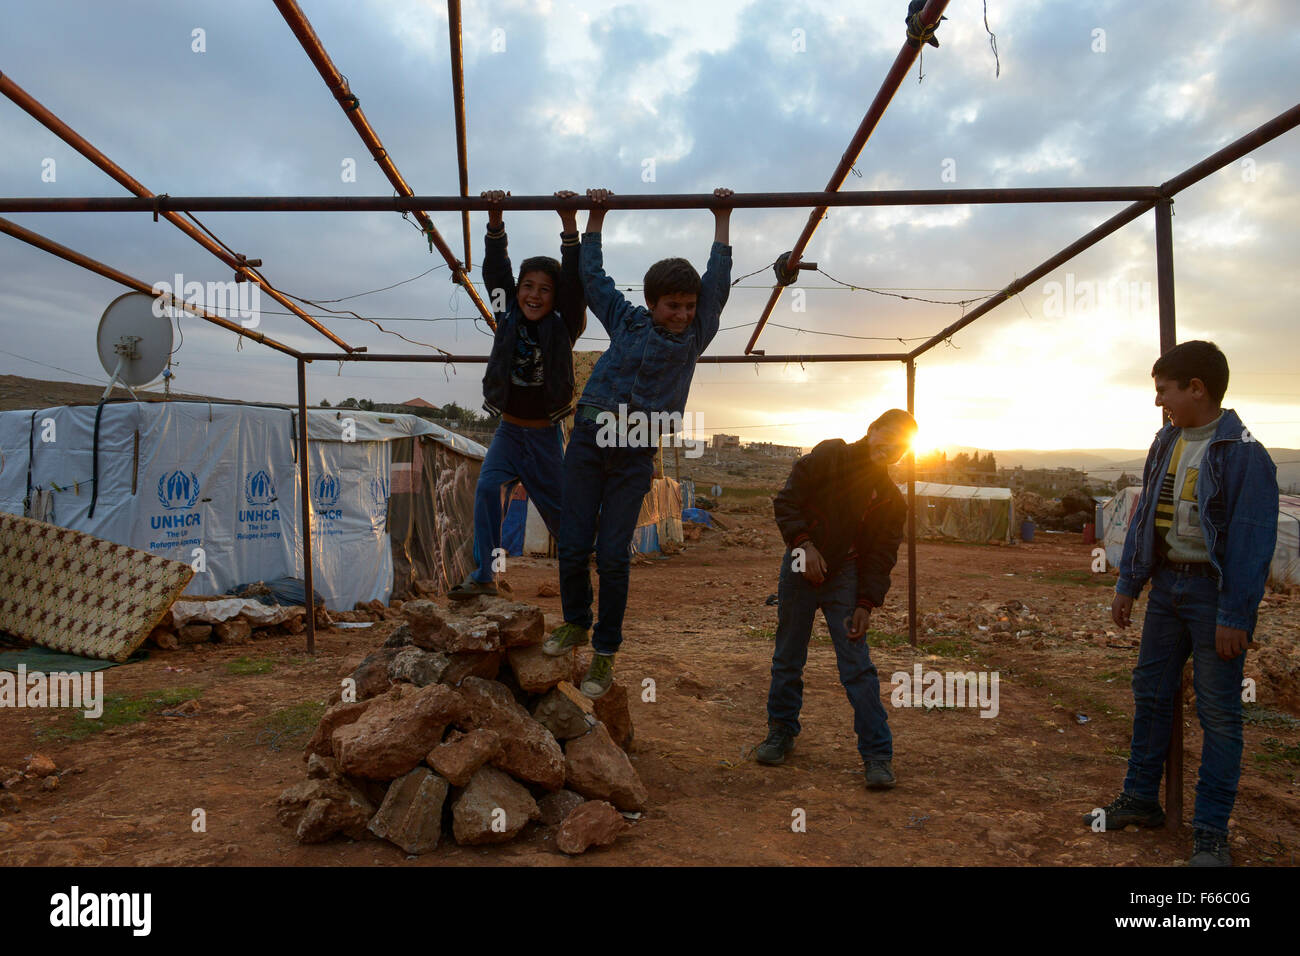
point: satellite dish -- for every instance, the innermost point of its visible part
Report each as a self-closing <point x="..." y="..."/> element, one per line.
<point x="134" y="342"/>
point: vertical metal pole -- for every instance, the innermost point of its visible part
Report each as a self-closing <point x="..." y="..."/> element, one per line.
<point x="304" y="483"/>
<point x="1168" y="339"/>
<point x="911" y="512"/>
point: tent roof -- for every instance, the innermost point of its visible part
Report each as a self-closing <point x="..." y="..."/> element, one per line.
<point x="933" y="489"/>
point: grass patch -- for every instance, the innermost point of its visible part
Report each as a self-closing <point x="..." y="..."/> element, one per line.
<point x="1122" y="673"/>
<point x="944" y="648"/>
<point x="886" y="639"/>
<point x="290" y="720"/>
<point x="244" y="666"/>
<point x="762" y="633"/>
<point x="1278" y="757"/>
<point x="1074" y="577"/>
<point x="1258" y="716"/>
<point x="119" y="710"/>
<point x="730" y="492"/>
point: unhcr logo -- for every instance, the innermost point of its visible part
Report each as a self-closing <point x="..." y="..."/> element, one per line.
<point x="325" y="491"/>
<point x="178" y="489"/>
<point x="258" y="488"/>
<point x="379" y="494"/>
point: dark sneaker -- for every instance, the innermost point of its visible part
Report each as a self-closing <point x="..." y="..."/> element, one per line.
<point x="772" y="751"/>
<point x="880" y="775"/>
<point x="563" y="638"/>
<point x="1209" y="849"/>
<point x="599" y="676"/>
<point x="469" y="588"/>
<point x="1126" y="809"/>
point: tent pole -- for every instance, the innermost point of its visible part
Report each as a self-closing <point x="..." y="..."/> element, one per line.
<point x="911" y="511"/>
<point x="1168" y="338"/>
<point x="304" y="484"/>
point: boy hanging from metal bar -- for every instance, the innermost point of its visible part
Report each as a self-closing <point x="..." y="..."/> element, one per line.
<point x="643" y="377"/>
<point x="1203" y="534"/>
<point x="842" y="520"/>
<point x="528" y="382"/>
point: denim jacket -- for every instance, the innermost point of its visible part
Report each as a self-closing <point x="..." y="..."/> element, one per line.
<point x="1236" y="493"/>
<point x="646" y="367"/>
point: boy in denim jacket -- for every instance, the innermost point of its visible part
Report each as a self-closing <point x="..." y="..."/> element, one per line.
<point x="1203" y="535"/>
<point x="646" y="371"/>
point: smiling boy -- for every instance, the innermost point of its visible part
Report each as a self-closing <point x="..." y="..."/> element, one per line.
<point x="528" y="382"/>
<point x="647" y="369"/>
<point x="1203" y="534"/>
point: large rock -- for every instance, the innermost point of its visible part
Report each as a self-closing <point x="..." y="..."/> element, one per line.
<point x="427" y="622"/>
<point x="528" y="750"/>
<point x="334" y="718"/>
<point x="194" y="633"/>
<point x="400" y="636"/>
<point x="318" y="809"/>
<point x="535" y="671"/>
<point x="476" y="634"/>
<point x="493" y="809"/>
<point x="598" y="769"/>
<point x="417" y="666"/>
<point x="396" y="731"/>
<point x="460" y="755"/>
<point x="556" y="806"/>
<point x="371" y="675"/>
<point x="234" y="631"/>
<point x="520" y="625"/>
<point x="612" y="711"/>
<point x="472" y="664"/>
<point x="411" y="815"/>
<point x="561" y="715"/>
<point x="595" y="823"/>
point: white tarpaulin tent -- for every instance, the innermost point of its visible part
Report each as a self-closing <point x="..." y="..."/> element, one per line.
<point x="176" y="477"/>
<point x="962" y="512"/>
<point x="1117" y="514"/>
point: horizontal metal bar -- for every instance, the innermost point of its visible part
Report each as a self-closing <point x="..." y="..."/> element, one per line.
<point x="771" y="200"/>
<point x="703" y="359"/>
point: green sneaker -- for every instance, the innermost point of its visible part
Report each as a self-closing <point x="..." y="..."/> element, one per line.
<point x="600" y="675"/>
<point x="563" y="638"/>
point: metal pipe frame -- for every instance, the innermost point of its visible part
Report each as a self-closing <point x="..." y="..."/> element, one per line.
<point x="131" y="282"/>
<point x="755" y="359"/>
<point x="351" y="106"/>
<point x="762" y="200"/>
<point x="458" y="105"/>
<point x="930" y="16"/>
<point x="46" y="118"/>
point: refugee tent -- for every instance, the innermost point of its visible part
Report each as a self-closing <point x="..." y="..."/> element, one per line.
<point x="1117" y="515"/>
<point x="963" y="512"/>
<point x="215" y="485"/>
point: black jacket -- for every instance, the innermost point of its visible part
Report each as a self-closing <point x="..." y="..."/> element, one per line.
<point x="849" y="508"/>
<point x="556" y="332"/>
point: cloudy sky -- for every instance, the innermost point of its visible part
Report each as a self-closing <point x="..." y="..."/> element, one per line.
<point x="755" y="96"/>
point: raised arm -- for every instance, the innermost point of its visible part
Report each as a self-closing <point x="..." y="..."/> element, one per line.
<point x="715" y="287"/>
<point x="569" y="297"/>
<point x="607" y="304"/>
<point x="497" y="274"/>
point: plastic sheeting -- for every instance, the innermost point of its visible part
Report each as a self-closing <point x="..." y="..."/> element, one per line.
<point x="963" y="512"/>
<point x="1284" y="570"/>
<point x="216" y="486"/>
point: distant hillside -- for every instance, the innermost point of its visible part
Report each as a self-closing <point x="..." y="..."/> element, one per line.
<point x="17" y="392"/>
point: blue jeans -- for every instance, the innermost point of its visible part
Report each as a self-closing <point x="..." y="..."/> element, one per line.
<point x="797" y="604"/>
<point x="603" y="490"/>
<point x="531" y="455"/>
<point x="1180" y="621"/>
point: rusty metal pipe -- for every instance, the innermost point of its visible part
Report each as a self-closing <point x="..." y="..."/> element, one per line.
<point x="1282" y="123"/>
<point x="756" y="359"/>
<point x="348" y="102"/>
<point x="108" y="272"/>
<point x="772" y="200"/>
<point x="46" y="118"/>
<point x="902" y="63"/>
<point x="458" y="103"/>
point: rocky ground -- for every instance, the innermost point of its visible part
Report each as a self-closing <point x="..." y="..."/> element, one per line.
<point x="198" y="743"/>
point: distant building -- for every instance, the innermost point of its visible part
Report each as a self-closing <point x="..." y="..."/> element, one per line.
<point x="1050" y="482"/>
<point x="1126" y="480"/>
<point x="775" y="451"/>
<point x="726" y="443"/>
<point x="419" y="403"/>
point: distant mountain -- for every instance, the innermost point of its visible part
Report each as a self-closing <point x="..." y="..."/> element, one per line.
<point x="1109" y="463"/>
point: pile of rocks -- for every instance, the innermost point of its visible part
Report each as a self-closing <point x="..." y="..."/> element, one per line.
<point x="239" y="621"/>
<point x="459" y="722"/>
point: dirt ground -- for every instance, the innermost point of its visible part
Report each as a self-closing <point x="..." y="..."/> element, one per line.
<point x="1003" y="791"/>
